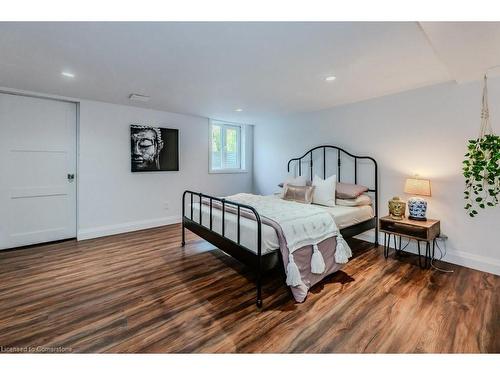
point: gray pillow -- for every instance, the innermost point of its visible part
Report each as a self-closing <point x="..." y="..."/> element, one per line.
<point x="308" y="183"/>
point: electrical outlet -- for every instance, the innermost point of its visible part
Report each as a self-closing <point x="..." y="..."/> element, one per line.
<point x="443" y="236"/>
<point x="166" y="205"/>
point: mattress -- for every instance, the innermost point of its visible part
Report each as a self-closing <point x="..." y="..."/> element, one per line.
<point x="342" y="215"/>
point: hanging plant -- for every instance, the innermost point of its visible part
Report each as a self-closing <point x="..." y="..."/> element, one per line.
<point x="482" y="165"/>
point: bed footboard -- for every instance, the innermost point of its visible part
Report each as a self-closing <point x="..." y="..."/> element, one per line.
<point x="234" y="248"/>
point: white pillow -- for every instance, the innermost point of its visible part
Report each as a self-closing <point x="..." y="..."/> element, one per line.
<point x="324" y="191"/>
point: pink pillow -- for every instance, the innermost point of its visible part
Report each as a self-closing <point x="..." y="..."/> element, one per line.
<point x="349" y="191"/>
<point x="362" y="200"/>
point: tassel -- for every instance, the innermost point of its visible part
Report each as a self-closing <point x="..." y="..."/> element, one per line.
<point x="343" y="251"/>
<point x="317" y="262"/>
<point x="292" y="273"/>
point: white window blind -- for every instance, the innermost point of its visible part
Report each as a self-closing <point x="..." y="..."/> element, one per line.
<point x="226" y="147"/>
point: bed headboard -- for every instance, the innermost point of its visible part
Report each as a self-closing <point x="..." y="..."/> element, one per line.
<point x="323" y="157"/>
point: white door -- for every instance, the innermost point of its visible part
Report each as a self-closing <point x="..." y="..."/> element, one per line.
<point x="37" y="159"/>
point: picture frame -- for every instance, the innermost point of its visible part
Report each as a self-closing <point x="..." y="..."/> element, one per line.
<point x="154" y="149"/>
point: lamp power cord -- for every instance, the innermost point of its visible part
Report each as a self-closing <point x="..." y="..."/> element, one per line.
<point x="442" y="255"/>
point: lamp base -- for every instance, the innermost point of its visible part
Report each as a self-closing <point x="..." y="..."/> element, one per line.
<point x="417" y="208"/>
<point x="417" y="218"/>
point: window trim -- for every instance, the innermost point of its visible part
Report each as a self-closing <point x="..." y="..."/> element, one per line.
<point x="242" y="148"/>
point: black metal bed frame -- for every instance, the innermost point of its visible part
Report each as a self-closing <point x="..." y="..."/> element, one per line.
<point x="357" y="228"/>
<point x="263" y="263"/>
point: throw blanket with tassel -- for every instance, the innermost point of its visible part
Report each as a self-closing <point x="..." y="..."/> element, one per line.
<point x="307" y="235"/>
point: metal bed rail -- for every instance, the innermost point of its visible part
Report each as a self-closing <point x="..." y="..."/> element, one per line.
<point x="206" y="231"/>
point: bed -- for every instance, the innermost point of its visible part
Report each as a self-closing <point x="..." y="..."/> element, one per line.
<point x="239" y="230"/>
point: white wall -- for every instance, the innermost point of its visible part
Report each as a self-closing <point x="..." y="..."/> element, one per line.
<point x="422" y="131"/>
<point x="114" y="200"/>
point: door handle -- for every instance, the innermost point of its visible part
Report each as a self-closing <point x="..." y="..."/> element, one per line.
<point x="71" y="177"/>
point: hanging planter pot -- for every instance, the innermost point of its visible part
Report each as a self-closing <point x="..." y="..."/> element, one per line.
<point x="481" y="167"/>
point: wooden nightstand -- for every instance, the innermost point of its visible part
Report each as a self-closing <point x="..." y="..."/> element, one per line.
<point x="421" y="231"/>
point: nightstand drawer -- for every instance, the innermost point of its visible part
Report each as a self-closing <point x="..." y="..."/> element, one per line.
<point x="420" y="230"/>
<point x="405" y="229"/>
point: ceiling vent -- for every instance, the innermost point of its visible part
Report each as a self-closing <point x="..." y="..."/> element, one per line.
<point x="139" y="98"/>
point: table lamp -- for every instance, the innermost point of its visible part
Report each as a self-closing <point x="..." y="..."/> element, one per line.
<point x="417" y="206"/>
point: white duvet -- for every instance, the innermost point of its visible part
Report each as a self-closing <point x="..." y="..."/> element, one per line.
<point x="302" y="224"/>
<point x="343" y="216"/>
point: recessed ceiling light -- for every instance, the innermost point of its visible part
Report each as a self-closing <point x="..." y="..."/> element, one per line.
<point x="68" y="74"/>
<point x="330" y="78"/>
<point x="238" y="110"/>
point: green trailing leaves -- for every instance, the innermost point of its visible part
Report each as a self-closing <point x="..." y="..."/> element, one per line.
<point x="481" y="169"/>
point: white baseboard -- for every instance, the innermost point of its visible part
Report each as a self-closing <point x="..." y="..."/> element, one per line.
<point x="108" y="230"/>
<point x="461" y="258"/>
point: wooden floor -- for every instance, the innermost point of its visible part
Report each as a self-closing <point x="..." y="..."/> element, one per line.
<point x="141" y="292"/>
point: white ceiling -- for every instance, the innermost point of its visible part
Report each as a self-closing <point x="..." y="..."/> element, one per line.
<point x="210" y="69"/>
<point x="467" y="49"/>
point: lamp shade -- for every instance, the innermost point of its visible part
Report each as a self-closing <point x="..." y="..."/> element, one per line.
<point x="418" y="186"/>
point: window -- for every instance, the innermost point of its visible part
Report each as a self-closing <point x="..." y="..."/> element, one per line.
<point x="227" y="147"/>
